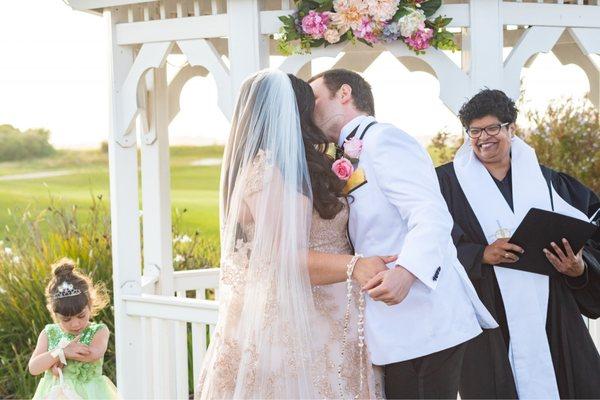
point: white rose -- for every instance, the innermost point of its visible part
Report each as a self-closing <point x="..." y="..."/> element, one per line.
<point x="332" y="36"/>
<point x="410" y="23"/>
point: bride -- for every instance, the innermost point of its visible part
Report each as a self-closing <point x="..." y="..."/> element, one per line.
<point x="289" y="320"/>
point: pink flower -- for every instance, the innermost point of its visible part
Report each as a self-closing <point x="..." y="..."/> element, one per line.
<point x="420" y="40"/>
<point x="315" y="24"/>
<point x="353" y="147"/>
<point x="342" y="168"/>
<point x="367" y="31"/>
<point x="348" y="14"/>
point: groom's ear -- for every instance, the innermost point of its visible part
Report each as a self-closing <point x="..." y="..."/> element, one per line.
<point x="345" y="93"/>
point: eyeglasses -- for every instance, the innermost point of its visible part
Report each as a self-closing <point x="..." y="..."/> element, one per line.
<point x="491" y="130"/>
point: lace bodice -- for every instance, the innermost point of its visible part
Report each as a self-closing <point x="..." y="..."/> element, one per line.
<point x="330" y="235"/>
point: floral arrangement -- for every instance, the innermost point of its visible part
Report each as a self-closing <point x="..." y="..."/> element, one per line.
<point x="325" y="22"/>
<point x="344" y="159"/>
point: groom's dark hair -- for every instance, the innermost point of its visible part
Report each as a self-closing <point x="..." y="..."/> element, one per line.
<point x="361" y="90"/>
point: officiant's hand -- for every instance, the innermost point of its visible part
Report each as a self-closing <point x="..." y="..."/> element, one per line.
<point x="501" y="252"/>
<point x="566" y="262"/>
<point x="366" y="268"/>
<point x="391" y="286"/>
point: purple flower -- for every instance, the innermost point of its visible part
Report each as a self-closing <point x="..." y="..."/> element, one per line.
<point x="367" y="31"/>
<point x="315" y="24"/>
<point x="420" y="40"/>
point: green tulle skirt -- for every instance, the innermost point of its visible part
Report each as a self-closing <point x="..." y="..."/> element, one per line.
<point x="98" y="387"/>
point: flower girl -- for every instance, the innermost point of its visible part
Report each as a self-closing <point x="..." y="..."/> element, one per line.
<point x="70" y="352"/>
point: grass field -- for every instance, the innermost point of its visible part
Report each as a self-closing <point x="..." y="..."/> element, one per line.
<point x="86" y="174"/>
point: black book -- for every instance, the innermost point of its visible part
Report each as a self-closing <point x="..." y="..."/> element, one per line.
<point x="538" y="229"/>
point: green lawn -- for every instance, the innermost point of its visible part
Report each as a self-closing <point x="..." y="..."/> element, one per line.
<point x="192" y="187"/>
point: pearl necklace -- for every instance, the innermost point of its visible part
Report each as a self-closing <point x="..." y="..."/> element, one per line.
<point x="361" y="324"/>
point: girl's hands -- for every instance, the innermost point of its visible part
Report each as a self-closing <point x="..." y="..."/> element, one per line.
<point x="76" y="351"/>
<point x="56" y="367"/>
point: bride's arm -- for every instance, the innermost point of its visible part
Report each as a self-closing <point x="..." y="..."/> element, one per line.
<point x="327" y="268"/>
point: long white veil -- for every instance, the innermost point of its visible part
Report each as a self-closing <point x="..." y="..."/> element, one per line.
<point x="262" y="344"/>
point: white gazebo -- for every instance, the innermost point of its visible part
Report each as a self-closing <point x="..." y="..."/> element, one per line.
<point x="230" y="39"/>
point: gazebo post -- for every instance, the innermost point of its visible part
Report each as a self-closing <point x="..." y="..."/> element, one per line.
<point x="157" y="226"/>
<point x="482" y="45"/>
<point x="125" y="223"/>
<point x="248" y="47"/>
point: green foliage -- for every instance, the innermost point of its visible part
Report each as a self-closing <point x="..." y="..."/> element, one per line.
<point x="430" y="7"/>
<point x="567" y="138"/>
<point x="442" y="147"/>
<point x="17" y="145"/>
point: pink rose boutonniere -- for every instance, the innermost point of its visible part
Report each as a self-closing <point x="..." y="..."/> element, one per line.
<point x="353" y="147"/>
<point x="343" y="168"/>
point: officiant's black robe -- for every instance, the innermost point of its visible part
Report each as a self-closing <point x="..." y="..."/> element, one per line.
<point x="486" y="370"/>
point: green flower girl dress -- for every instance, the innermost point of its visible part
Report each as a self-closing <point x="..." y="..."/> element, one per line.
<point x="84" y="378"/>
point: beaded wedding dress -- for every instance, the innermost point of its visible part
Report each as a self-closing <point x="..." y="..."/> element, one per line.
<point x="277" y="336"/>
<point x="331" y="301"/>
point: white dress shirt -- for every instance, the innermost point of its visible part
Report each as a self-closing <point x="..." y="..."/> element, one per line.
<point x="400" y="210"/>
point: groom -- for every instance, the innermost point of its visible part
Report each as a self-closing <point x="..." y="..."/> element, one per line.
<point x="422" y="310"/>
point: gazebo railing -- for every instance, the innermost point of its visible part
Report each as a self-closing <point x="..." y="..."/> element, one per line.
<point x="175" y="331"/>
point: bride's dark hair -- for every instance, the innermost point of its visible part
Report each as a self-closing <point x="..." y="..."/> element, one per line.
<point x="326" y="186"/>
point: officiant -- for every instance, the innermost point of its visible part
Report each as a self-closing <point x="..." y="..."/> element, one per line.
<point x="543" y="348"/>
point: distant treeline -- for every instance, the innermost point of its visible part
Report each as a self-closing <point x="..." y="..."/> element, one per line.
<point x="18" y="145"/>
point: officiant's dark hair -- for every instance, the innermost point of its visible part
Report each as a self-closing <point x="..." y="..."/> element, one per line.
<point x="488" y="102"/>
<point x="326" y="186"/>
<point x="361" y="89"/>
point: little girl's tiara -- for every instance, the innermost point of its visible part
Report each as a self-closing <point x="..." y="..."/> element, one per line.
<point x="65" y="289"/>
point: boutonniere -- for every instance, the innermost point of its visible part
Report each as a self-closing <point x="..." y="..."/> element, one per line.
<point x="353" y="148"/>
<point x="343" y="167"/>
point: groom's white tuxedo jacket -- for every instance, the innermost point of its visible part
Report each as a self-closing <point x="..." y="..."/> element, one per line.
<point x="400" y="210"/>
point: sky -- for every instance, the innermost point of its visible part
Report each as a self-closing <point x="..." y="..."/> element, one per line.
<point x="54" y="75"/>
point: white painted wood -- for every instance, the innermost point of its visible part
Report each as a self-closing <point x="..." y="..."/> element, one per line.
<point x="157" y="225"/>
<point x="588" y="39"/>
<point x="163" y="384"/>
<point x="357" y="60"/>
<point x="147" y="391"/>
<point x="535" y="40"/>
<point x="482" y="46"/>
<point x="454" y="83"/>
<point x="248" y="48"/>
<point x="98" y="5"/>
<point x="202" y="52"/>
<point x="199" y="342"/>
<point x="206" y="26"/>
<point x="181" y="357"/>
<point x="178" y="82"/>
<point x="197" y="279"/>
<point x="125" y="229"/>
<point x="172" y="308"/>
<point x="570" y="53"/>
<point x="151" y="55"/>
<point x="565" y="15"/>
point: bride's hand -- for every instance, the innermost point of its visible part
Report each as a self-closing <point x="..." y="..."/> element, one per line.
<point x="367" y="268"/>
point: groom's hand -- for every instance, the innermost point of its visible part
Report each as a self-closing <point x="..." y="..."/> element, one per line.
<point x="367" y="268"/>
<point x="391" y="286"/>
